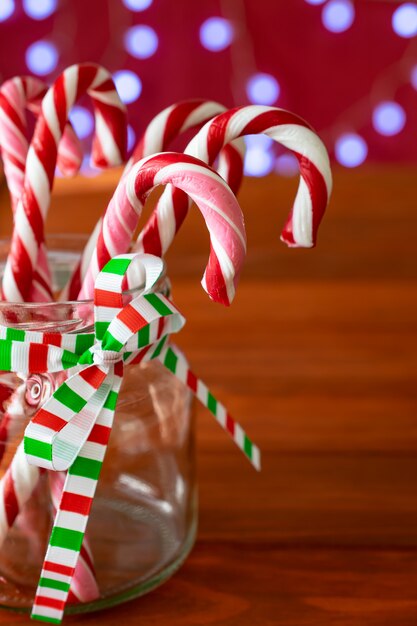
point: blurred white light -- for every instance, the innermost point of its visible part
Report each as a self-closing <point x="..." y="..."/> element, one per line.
<point x="258" y="162"/>
<point x="6" y="9"/>
<point x="39" y="9"/>
<point x="41" y="58"/>
<point x="287" y="165"/>
<point x="351" y="150"/>
<point x="404" y="20"/>
<point x="82" y="121"/>
<point x="137" y="5"/>
<point x="388" y="118"/>
<point x="131" y="138"/>
<point x="263" y="89"/>
<point x="258" y="141"/>
<point x="315" y="2"/>
<point x="128" y="85"/>
<point x="338" y="15"/>
<point x="216" y="34"/>
<point x="413" y="77"/>
<point x="141" y="41"/>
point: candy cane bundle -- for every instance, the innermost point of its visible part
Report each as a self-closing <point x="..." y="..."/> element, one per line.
<point x="290" y="131"/>
<point x="108" y="149"/>
<point x="16" y="96"/>
<point x="161" y="131"/>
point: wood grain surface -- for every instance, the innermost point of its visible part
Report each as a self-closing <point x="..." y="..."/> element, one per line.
<point x="317" y="358"/>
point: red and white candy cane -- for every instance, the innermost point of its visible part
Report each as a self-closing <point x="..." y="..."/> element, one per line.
<point x="213" y="196"/>
<point x="17" y="96"/>
<point x="108" y="149"/>
<point x="160" y="132"/>
<point x="292" y="132"/>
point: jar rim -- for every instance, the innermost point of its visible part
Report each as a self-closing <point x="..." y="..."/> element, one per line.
<point x="69" y="237"/>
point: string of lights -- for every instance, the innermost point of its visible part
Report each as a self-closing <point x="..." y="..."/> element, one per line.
<point x="230" y="32"/>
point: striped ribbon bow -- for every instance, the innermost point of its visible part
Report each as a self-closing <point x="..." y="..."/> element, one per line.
<point x="71" y="430"/>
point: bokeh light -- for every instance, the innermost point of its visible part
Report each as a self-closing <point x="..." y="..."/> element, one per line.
<point x="258" y="162"/>
<point x="216" y="34"/>
<point x="388" y="118"/>
<point x="6" y="9"/>
<point x="287" y="165"/>
<point x="82" y="121"/>
<point x="141" y="41"/>
<point x="131" y="138"/>
<point x="128" y="85"/>
<point x="137" y="5"/>
<point x="42" y="58"/>
<point x="315" y="2"/>
<point x="263" y="89"/>
<point x="39" y="9"/>
<point x="338" y="15"/>
<point x="258" y="141"/>
<point x="404" y="20"/>
<point x="351" y="150"/>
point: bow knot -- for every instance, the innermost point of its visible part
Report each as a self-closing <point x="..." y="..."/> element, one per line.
<point x="105" y="357"/>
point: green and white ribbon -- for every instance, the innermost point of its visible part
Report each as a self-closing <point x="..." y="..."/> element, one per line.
<point x="71" y="430"/>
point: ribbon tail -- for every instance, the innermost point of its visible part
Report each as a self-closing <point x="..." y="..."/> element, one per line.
<point x="72" y="516"/>
<point x="173" y="359"/>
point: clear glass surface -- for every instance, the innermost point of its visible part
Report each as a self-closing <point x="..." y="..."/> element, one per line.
<point x="144" y="515"/>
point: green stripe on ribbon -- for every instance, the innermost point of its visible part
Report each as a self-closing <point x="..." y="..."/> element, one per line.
<point x="116" y="266"/>
<point x="83" y="342"/>
<point x="211" y="403"/>
<point x="159" y="347"/>
<point x="157" y="304"/>
<point x="15" y="334"/>
<point x="87" y="468"/>
<point x="247" y="447"/>
<point x="111" y="401"/>
<point x="69" y="398"/>
<point x="69" y="359"/>
<point x="42" y="618"/>
<point x="66" y="538"/>
<point x="143" y="337"/>
<point x="5" y="355"/>
<point x="34" y="447"/>
<point x="171" y="360"/>
<point x="100" y="329"/>
<point x="50" y="583"/>
<point x="111" y="343"/>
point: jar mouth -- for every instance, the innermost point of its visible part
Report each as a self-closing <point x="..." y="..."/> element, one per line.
<point x="63" y="316"/>
<point x="64" y="252"/>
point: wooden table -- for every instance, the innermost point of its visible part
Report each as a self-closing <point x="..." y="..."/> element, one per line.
<point x="323" y="376"/>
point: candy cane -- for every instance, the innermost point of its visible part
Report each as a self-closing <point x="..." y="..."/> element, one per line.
<point x="16" y="96"/>
<point x="219" y="206"/>
<point x="108" y="149"/>
<point x="290" y="131"/>
<point x="160" y="132"/>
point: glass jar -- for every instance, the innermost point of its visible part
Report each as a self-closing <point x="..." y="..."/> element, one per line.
<point x="144" y="516"/>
